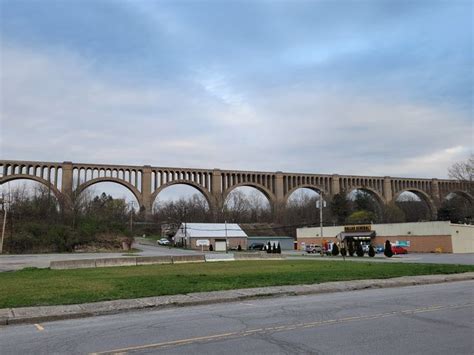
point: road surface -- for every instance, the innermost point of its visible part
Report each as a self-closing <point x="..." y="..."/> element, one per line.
<point x="432" y="319"/>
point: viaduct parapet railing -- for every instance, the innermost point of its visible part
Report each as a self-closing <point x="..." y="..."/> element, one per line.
<point x="67" y="179"/>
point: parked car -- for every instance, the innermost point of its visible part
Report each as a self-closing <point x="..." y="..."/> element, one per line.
<point x="399" y="250"/>
<point x="164" y="241"/>
<point x="313" y="248"/>
<point x="365" y="248"/>
<point x="379" y="249"/>
<point x="256" y="246"/>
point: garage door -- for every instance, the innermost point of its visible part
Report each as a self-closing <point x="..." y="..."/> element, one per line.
<point x="220" y="246"/>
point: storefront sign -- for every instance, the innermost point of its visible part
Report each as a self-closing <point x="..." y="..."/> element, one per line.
<point x="202" y="243"/>
<point x="358" y="228"/>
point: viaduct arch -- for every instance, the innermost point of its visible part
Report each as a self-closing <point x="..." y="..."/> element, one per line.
<point x="145" y="182"/>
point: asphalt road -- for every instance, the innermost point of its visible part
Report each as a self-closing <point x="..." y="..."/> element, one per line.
<point x="432" y="319"/>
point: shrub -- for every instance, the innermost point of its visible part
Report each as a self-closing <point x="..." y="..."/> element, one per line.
<point x="211" y="248"/>
<point x="239" y="248"/>
<point x="274" y="249"/>
<point x="278" y="249"/>
<point x="388" y="249"/>
<point x="371" y="251"/>
<point x="360" y="251"/>
<point x="269" y="248"/>
<point x="335" y="250"/>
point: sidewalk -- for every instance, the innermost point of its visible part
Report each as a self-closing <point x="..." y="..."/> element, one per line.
<point x="50" y="313"/>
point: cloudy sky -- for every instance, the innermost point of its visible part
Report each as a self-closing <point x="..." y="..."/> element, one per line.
<point x="349" y="87"/>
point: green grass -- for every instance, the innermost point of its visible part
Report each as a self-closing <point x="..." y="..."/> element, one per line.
<point x="33" y="287"/>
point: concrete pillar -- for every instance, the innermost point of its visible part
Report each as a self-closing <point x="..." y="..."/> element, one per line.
<point x="435" y="192"/>
<point x="146" y="190"/>
<point x="335" y="185"/>
<point x="66" y="180"/>
<point x="387" y="189"/>
<point x="217" y="194"/>
<point x="278" y="204"/>
<point x="279" y="190"/>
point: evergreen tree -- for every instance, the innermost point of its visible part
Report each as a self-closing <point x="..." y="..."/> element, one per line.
<point x="278" y="249"/>
<point x="388" y="249"/>
<point x="335" y="250"/>
<point x="371" y="251"/>
<point x="359" y="250"/>
<point x="351" y="248"/>
<point x="269" y="248"/>
<point x="274" y="249"/>
<point x="340" y="207"/>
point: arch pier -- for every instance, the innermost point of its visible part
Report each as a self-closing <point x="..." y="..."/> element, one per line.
<point x="146" y="182"/>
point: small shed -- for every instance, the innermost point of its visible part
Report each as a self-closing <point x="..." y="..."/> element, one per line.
<point x="201" y="236"/>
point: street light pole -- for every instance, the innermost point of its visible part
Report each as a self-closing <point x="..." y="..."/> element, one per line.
<point x="321" y="203"/>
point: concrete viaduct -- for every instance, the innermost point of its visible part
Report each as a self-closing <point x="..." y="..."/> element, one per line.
<point x="146" y="182"/>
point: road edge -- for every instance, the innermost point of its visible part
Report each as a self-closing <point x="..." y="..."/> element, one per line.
<point x="28" y="315"/>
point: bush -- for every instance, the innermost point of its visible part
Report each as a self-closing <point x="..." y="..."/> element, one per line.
<point x="239" y="248"/>
<point x="278" y="249"/>
<point x="388" y="249"/>
<point x="371" y="251"/>
<point x="343" y="251"/>
<point x="20" y="243"/>
<point x="335" y="250"/>
<point x="360" y="251"/>
<point x="274" y="249"/>
<point x="211" y="248"/>
<point x="269" y="248"/>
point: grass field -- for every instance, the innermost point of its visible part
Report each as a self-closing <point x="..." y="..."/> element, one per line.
<point x="33" y="287"/>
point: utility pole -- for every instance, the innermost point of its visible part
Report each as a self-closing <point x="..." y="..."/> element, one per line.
<point x="225" y="226"/>
<point x="131" y="216"/>
<point x="321" y="205"/>
<point x="226" y="241"/>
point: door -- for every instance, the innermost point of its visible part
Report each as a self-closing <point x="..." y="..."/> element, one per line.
<point x="220" y="245"/>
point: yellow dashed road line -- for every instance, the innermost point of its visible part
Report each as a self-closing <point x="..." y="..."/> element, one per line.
<point x="39" y="327"/>
<point x="279" y="328"/>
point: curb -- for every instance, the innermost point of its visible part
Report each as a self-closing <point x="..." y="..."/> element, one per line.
<point x="24" y="315"/>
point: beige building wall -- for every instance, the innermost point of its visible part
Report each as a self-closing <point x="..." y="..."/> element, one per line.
<point x="463" y="238"/>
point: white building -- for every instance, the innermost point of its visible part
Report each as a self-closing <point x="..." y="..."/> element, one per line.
<point x="201" y="236"/>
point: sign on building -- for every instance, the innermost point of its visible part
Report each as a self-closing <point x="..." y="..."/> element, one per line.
<point x="202" y="243"/>
<point x="358" y="228"/>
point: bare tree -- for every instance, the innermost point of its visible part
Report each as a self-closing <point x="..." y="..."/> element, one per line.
<point x="464" y="171"/>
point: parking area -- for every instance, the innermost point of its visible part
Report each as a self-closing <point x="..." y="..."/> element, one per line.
<point x="430" y="258"/>
<point x="18" y="262"/>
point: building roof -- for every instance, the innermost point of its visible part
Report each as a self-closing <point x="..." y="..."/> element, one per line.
<point x="210" y="230"/>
